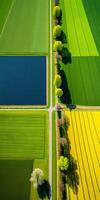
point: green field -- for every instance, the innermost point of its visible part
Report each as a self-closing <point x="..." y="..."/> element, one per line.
<point x="14" y="179"/>
<point x="83" y="77"/>
<point x="23" y="146"/>
<point x="80" y="37"/>
<point x="24" y="26"/>
<point x="4" y="8"/>
<point x="92" y="9"/>
<point x="21" y="133"/>
<point x="83" y="74"/>
<point x="54" y="158"/>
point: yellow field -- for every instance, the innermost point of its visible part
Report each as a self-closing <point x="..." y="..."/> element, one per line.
<point x="84" y="135"/>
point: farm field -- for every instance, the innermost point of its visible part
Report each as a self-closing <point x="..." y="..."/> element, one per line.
<point x="85" y="144"/>
<point x="23" y="146"/>
<point x="83" y="77"/>
<point x="83" y="73"/>
<point x="14" y="179"/>
<point x="80" y="37"/>
<point x="92" y="9"/>
<point x="54" y="158"/>
<point x="20" y="25"/>
<point x="4" y="8"/>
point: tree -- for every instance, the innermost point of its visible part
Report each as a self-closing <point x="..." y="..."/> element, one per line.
<point x="56" y="11"/>
<point x="58" y="46"/>
<point x="58" y="106"/>
<point x="56" y="31"/>
<point x="56" y="2"/>
<point x="63" y="141"/>
<point x="63" y="147"/>
<point x="66" y="56"/>
<point x="37" y="177"/>
<point x="58" y="57"/>
<point x="57" y="81"/>
<point x="63" y="163"/>
<point x="59" y="92"/>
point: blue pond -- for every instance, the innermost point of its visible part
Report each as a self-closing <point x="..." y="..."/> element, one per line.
<point x="22" y="80"/>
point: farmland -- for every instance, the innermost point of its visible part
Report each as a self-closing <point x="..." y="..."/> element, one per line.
<point x="84" y="137"/>
<point x="23" y="144"/>
<point x="15" y="176"/>
<point x="80" y="37"/>
<point x="92" y="11"/>
<point x="82" y="29"/>
<point x="20" y="25"/>
<point x="83" y="77"/>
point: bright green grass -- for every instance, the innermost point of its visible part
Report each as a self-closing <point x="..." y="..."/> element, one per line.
<point x="14" y="179"/>
<point x="80" y="37"/>
<point x="26" y="28"/>
<point x="23" y="134"/>
<point x="83" y="77"/>
<point x="22" y="131"/>
<point x="4" y="10"/>
<point x="54" y="156"/>
<point x="92" y="9"/>
<point x="42" y="163"/>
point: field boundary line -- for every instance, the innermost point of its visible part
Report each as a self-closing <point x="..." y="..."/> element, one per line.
<point x="83" y="107"/>
<point x="50" y="108"/>
<point x="9" y="12"/>
<point x="87" y="107"/>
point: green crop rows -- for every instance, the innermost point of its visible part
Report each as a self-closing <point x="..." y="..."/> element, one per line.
<point x="21" y="23"/>
<point x="81" y="24"/>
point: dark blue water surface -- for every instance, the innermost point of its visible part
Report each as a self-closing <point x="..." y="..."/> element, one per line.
<point x="22" y="80"/>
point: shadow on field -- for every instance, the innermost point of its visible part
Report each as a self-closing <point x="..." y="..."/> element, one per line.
<point x="66" y="97"/>
<point x="62" y="37"/>
<point x="44" y="190"/>
<point x="71" y="176"/>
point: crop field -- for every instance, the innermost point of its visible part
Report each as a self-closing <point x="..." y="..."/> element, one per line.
<point x="23" y="144"/>
<point x="14" y="179"/>
<point x="81" y="24"/>
<point x="92" y="9"/>
<point x="80" y="37"/>
<point x="84" y="136"/>
<point x="21" y="133"/>
<point x="83" y="77"/>
<point x="24" y="26"/>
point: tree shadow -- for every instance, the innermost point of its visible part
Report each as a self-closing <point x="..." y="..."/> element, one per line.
<point x="44" y="190"/>
<point x="59" y="114"/>
<point x="66" y="56"/>
<point x="62" y="37"/>
<point x="64" y="195"/>
<point x="66" y="97"/>
<point x="72" y="177"/>
<point x="59" y="19"/>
